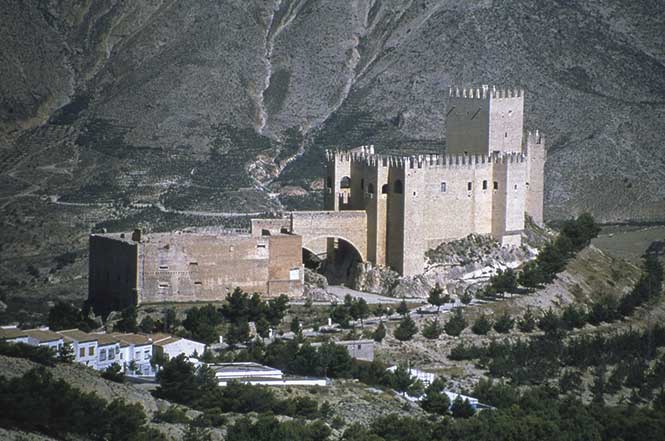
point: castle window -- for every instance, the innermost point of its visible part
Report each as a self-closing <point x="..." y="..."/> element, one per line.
<point x="345" y="182"/>
<point x="384" y="189"/>
<point x="362" y="183"/>
<point x="194" y="263"/>
<point x="329" y="182"/>
<point x="496" y="185"/>
<point x="370" y="188"/>
<point x="163" y="284"/>
<point x="515" y="186"/>
<point x="506" y="135"/>
<point x="198" y="283"/>
<point x="163" y="267"/>
<point x="444" y="187"/>
<point x="398" y="187"/>
<point x="484" y="185"/>
<point x="469" y="186"/>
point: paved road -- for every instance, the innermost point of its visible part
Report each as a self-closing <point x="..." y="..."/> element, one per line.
<point x="373" y="299"/>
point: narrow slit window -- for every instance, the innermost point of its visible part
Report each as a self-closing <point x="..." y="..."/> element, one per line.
<point x="469" y="186"/>
<point x="198" y="283"/>
<point x="484" y="185"/>
<point x="444" y="187"/>
<point x="163" y="267"/>
<point x="496" y="185"/>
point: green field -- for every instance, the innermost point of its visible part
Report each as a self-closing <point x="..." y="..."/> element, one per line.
<point x="628" y="242"/>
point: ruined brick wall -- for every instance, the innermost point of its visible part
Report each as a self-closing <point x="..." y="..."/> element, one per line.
<point x="192" y="267"/>
<point x="112" y="273"/>
<point x="196" y="267"/>
<point x="285" y="268"/>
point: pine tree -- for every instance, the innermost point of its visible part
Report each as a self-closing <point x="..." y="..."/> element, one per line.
<point x="504" y="323"/>
<point x="406" y="329"/>
<point x="462" y="408"/>
<point x="482" y="325"/>
<point x="456" y="323"/>
<point x="432" y="329"/>
<point x="380" y="333"/>
<point x="402" y="309"/>
<point x="435" y="400"/>
<point x="528" y="322"/>
<point x="436" y="297"/>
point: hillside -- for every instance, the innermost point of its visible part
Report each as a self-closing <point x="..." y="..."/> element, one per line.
<point x="114" y="114"/>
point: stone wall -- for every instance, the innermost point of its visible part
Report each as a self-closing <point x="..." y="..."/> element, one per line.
<point x="535" y="149"/>
<point x="192" y="267"/>
<point x="348" y="225"/>
<point x="112" y="272"/>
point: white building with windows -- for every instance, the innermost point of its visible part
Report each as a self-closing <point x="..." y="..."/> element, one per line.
<point x="170" y="346"/>
<point x="108" y="348"/>
<point x="35" y="337"/>
<point x="135" y="354"/>
<point x="84" y="345"/>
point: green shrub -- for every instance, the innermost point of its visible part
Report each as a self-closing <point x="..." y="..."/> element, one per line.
<point x="482" y="325"/>
<point x="504" y="323"/>
<point x="456" y="323"/>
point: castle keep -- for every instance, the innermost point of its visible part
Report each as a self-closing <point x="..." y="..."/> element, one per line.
<point x="390" y="209"/>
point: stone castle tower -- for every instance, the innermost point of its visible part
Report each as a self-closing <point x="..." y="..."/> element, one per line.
<point x="490" y="176"/>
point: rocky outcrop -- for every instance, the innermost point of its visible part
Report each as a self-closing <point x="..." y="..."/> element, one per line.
<point x="458" y="266"/>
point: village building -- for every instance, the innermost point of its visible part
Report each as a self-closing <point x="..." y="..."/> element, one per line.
<point x="84" y="346"/>
<point x="33" y="337"/>
<point x="358" y="349"/>
<point x="135" y="354"/>
<point x="168" y="346"/>
<point x="257" y="374"/>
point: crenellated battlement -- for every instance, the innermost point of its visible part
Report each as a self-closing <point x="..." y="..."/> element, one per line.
<point x="485" y="92"/>
<point x="535" y="137"/>
<point x="422" y="161"/>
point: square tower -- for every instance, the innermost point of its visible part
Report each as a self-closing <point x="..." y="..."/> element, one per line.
<point x="484" y="121"/>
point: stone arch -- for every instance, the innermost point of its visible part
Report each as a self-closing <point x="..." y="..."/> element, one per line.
<point x="310" y="245"/>
<point x="385" y="189"/>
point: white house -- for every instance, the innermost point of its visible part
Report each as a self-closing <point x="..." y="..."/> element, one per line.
<point x="257" y="374"/>
<point x="170" y="347"/>
<point x="135" y="354"/>
<point x="35" y="337"/>
<point x="84" y="345"/>
<point x="108" y="348"/>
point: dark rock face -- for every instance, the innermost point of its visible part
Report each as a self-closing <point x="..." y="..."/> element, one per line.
<point x="208" y="105"/>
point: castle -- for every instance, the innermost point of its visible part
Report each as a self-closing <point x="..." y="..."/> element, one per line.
<point x="390" y="209"/>
<point x="490" y="177"/>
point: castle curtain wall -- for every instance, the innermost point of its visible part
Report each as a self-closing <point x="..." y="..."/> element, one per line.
<point x="112" y="274"/>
